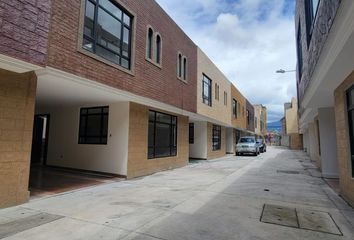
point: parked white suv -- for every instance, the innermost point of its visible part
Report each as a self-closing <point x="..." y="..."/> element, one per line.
<point x="247" y="145"/>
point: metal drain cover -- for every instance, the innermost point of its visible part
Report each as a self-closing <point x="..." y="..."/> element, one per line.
<point x="317" y="221"/>
<point x="300" y="218"/>
<point x="288" y="172"/>
<point x="279" y="215"/>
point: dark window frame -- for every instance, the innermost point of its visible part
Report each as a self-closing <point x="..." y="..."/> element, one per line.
<point x="191" y="133"/>
<point x="350" y="110"/>
<point x="83" y="137"/>
<point x="149" y="43"/>
<point x="158" y="49"/>
<point x="311" y="13"/>
<point x="95" y="38"/>
<point x="299" y="52"/>
<point x="173" y="137"/>
<point x="207" y="99"/>
<point x="234" y="108"/>
<point x="216" y="138"/>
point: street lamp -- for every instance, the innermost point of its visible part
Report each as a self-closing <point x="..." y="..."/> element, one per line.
<point x="284" y="71"/>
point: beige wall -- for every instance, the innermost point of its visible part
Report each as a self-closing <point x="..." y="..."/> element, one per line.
<point x="291" y="116"/>
<point x="343" y="142"/>
<point x="257" y="121"/>
<point x="218" y="110"/>
<point x="241" y="121"/>
<point x="138" y="162"/>
<point x="17" y="100"/>
<point x="220" y="153"/>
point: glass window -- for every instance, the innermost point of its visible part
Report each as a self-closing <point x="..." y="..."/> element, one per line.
<point x="107" y="35"/>
<point x="185" y="68"/>
<point x="299" y="52"/>
<point x="234" y="108"/>
<point x="162" y="139"/>
<point x="191" y="133"/>
<point x="179" y="66"/>
<point x="216" y="137"/>
<point x="149" y="43"/>
<point x="158" y="49"/>
<point x="225" y="98"/>
<point x="350" y="104"/>
<point x="206" y="90"/>
<point x="93" y="127"/>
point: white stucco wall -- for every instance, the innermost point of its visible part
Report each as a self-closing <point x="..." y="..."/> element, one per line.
<point x="229" y="140"/>
<point x="63" y="147"/>
<point x="199" y="148"/>
<point x="328" y="141"/>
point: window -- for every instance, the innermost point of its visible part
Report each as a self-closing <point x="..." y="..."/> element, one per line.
<point x="248" y="117"/>
<point x="107" y="31"/>
<point x="311" y="8"/>
<point x="234" y="108"/>
<point x="191" y="133"/>
<point x="179" y="65"/>
<point x="299" y="53"/>
<point x="217" y="91"/>
<point x="255" y="122"/>
<point x="206" y="90"/>
<point x="216" y="137"/>
<point x="225" y="98"/>
<point x="158" y="49"/>
<point x="150" y="36"/>
<point x="350" y="104"/>
<point x="184" y="68"/>
<point x="93" y="127"/>
<point x="162" y="133"/>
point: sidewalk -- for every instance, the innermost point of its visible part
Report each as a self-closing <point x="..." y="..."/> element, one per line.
<point x="270" y="197"/>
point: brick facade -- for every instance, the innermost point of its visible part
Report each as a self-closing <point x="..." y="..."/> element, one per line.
<point x="343" y="141"/>
<point x="138" y="163"/>
<point x="250" y="123"/>
<point x="24" y="28"/>
<point x="241" y="121"/>
<point x="147" y="79"/>
<point x="311" y="50"/>
<point x="219" y="153"/>
<point x="17" y="100"/>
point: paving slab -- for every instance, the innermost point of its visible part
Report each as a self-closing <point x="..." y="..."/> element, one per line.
<point x="275" y="214"/>
<point x="317" y="221"/>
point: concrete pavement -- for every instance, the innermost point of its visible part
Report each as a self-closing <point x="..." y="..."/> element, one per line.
<point x="273" y="196"/>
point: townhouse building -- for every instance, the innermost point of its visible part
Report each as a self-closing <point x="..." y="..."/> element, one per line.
<point x="99" y="86"/>
<point x="260" y="120"/>
<point x="325" y="80"/>
<point x="290" y="135"/>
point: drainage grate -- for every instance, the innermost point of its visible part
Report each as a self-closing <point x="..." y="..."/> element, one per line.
<point x="288" y="172"/>
<point x="300" y="218"/>
<point x="12" y="227"/>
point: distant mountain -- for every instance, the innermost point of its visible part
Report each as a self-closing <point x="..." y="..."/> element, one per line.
<point x="274" y="127"/>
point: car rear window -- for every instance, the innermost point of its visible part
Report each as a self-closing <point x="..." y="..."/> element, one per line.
<point x="247" y="140"/>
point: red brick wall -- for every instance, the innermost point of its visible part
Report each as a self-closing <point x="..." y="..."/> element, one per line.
<point x="148" y="80"/>
<point x="24" y="27"/>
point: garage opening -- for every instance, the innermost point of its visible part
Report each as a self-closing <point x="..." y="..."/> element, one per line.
<point x="47" y="180"/>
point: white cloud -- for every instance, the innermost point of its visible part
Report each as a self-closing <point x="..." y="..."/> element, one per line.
<point x="248" y="40"/>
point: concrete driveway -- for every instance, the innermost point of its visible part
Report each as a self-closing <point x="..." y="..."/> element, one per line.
<point x="276" y="195"/>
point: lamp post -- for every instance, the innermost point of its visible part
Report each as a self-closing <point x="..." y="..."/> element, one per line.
<point x="284" y="71"/>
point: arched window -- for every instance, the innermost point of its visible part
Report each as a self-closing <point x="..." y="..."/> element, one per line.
<point x="158" y="49"/>
<point x="184" y="68"/>
<point x="149" y="43"/>
<point x="179" y="65"/>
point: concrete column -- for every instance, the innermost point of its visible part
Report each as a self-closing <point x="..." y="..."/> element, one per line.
<point x="229" y="140"/>
<point x="328" y="142"/>
<point x="17" y="101"/>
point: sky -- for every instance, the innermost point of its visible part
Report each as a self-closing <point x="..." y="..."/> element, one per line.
<point x="248" y="40"/>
